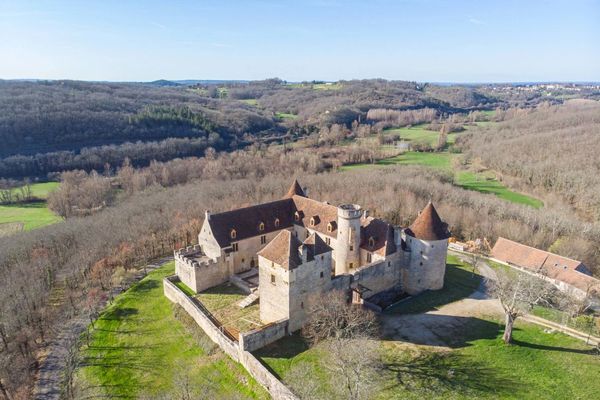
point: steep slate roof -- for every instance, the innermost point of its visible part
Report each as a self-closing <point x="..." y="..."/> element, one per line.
<point x="428" y="225"/>
<point x="325" y="212"/>
<point x="284" y="249"/>
<point x="381" y="231"/>
<point x="295" y="189"/>
<point x="556" y="267"/>
<point x="246" y="220"/>
<point x="316" y="246"/>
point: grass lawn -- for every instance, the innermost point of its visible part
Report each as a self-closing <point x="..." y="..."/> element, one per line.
<point x="281" y="115"/>
<point x="434" y="160"/>
<point x="26" y="216"/>
<point x="484" y="184"/>
<point x="222" y="302"/>
<point x="139" y="347"/>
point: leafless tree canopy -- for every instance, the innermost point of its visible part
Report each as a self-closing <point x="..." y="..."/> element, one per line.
<point x="518" y="292"/>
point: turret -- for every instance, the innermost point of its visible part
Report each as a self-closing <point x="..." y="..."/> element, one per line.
<point x="346" y="251"/>
<point x="427" y="239"/>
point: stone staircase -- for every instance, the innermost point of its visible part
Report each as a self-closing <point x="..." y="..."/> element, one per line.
<point x="249" y="300"/>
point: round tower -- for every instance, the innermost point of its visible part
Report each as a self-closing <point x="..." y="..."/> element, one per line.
<point x="427" y="239"/>
<point x="346" y="251"/>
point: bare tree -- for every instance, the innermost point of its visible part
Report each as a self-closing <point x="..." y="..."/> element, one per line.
<point x="330" y="316"/>
<point x="518" y="292"/>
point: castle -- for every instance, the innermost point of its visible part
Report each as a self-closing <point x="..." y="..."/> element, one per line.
<point x="299" y="246"/>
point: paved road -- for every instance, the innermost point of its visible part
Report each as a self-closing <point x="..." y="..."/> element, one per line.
<point x="50" y="375"/>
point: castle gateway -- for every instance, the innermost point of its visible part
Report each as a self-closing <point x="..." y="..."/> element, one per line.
<point x="288" y="250"/>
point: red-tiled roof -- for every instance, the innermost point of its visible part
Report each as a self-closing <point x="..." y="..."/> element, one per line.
<point x="382" y="234"/>
<point x="428" y="225"/>
<point x="325" y="213"/>
<point x="556" y="267"/>
<point x="284" y="249"/>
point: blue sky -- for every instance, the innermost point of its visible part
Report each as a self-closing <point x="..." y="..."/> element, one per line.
<point x="422" y="40"/>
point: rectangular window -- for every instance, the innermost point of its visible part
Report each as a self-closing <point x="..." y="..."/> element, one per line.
<point x="351" y="265"/>
<point x="351" y="248"/>
<point x="321" y="274"/>
<point x="328" y="241"/>
<point x="368" y="257"/>
<point x="234" y="247"/>
<point x="263" y="239"/>
<point x="272" y="279"/>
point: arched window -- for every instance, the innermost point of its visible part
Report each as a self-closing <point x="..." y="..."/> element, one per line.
<point x="276" y="222"/>
<point x="371" y="241"/>
<point x="312" y="221"/>
<point x="296" y="216"/>
<point x="329" y="227"/>
<point x="261" y="226"/>
<point x="233" y="234"/>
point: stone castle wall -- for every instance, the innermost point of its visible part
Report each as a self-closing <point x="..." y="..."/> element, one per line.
<point x="263" y="336"/>
<point x="263" y="376"/>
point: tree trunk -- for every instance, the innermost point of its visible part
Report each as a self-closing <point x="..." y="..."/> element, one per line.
<point x="508" y="328"/>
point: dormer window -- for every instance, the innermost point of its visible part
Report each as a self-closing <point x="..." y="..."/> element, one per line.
<point x="261" y="227"/>
<point x="276" y="222"/>
<point x="312" y="221"/>
<point x="232" y="234"/>
<point x="371" y="242"/>
<point x="296" y="216"/>
<point x="330" y="227"/>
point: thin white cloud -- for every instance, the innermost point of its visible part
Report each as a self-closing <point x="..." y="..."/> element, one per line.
<point x="476" y="21"/>
<point x="161" y="26"/>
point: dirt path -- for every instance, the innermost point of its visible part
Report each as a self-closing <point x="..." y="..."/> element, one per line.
<point x="50" y="373"/>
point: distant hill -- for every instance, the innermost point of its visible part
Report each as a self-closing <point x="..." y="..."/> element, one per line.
<point x="164" y="82"/>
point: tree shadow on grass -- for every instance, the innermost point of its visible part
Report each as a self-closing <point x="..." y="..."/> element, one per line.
<point x="119" y="313"/>
<point x="519" y="343"/>
<point x="145" y="286"/>
<point x="449" y="372"/>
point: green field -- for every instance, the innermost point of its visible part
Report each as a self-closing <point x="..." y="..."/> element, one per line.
<point x="486" y="184"/>
<point x="475" y="364"/>
<point x="251" y="102"/>
<point x="419" y="133"/>
<point x="281" y="115"/>
<point x="434" y="160"/>
<point x="139" y="348"/>
<point x="27" y="216"/>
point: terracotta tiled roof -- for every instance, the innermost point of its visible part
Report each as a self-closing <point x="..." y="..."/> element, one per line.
<point x="381" y="232"/>
<point x="554" y="266"/>
<point x="246" y="221"/>
<point x="428" y="225"/>
<point x="325" y="213"/>
<point x="284" y="249"/>
<point x="295" y="190"/>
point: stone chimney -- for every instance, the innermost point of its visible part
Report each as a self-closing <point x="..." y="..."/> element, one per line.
<point x="207" y="215"/>
<point x="303" y="253"/>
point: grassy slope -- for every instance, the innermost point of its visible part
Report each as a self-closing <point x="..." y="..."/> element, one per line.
<point x="139" y="347"/>
<point x="282" y="115"/>
<point x="539" y="365"/>
<point x="31" y="215"/>
<point x="480" y="183"/>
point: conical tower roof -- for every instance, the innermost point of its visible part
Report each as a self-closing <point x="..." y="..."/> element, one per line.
<point x="429" y="225"/>
<point x="295" y="189"/>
